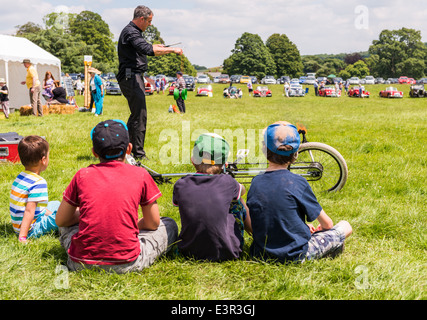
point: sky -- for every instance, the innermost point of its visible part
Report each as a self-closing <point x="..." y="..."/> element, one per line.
<point x="208" y="29"/>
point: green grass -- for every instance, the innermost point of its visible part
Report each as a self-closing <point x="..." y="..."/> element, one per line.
<point x="382" y="140"/>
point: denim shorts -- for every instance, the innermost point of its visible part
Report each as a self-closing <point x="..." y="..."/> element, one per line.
<point x="45" y="223"/>
<point x="325" y="244"/>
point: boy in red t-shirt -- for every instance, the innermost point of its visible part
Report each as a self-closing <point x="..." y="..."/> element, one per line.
<point x="98" y="216"/>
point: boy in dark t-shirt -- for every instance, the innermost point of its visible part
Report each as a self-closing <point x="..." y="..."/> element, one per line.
<point x="210" y="231"/>
<point x="281" y="202"/>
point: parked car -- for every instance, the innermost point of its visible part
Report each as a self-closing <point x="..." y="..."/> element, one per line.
<point x="354" y="80"/>
<point x="411" y="81"/>
<point x="294" y="80"/>
<point x="254" y="79"/>
<point x="310" y="80"/>
<point x="417" y="91"/>
<point x="190" y="84"/>
<point x="245" y="79"/>
<point x="224" y="78"/>
<point x="302" y="79"/>
<point x="204" y="90"/>
<point x="320" y="79"/>
<point x="262" y="91"/>
<point x="379" y="81"/>
<point x="235" y="78"/>
<point x="355" y="92"/>
<point x="149" y="88"/>
<point x="296" y="90"/>
<point x="268" y="80"/>
<point x="369" y="80"/>
<point x="329" y="91"/>
<point x="391" y="92"/>
<point x="203" y="79"/>
<point x="284" y="79"/>
<point x="403" y="80"/>
<point x="113" y="88"/>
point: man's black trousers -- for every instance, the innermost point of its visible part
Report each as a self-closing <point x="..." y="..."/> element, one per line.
<point x="133" y="89"/>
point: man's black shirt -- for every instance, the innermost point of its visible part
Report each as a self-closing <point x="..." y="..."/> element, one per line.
<point x="132" y="50"/>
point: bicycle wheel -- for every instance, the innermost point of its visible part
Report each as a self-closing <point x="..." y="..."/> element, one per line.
<point x="323" y="166"/>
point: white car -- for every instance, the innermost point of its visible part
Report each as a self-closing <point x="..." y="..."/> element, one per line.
<point x="369" y="80"/>
<point x="268" y="80"/>
<point x="310" y="80"/>
<point x="354" y="80"/>
<point x="203" y="79"/>
<point x="296" y="90"/>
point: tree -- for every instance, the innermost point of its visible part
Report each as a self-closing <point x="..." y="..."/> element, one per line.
<point x="250" y="57"/>
<point x="285" y="54"/>
<point x="398" y="52"/>
<point x="358" y="69"/>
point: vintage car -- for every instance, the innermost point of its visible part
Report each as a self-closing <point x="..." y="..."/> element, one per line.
<point x="205" y="90"/>
<point x="391" y="92"/>
<point x="354" y="92"/>
<point x="296" y="90"/>
<point x="149" y="88"/>
<point x="262" y="91"/>
<point x="232" y="92"/>
<point x="411" y="81"/>
<point x="417" y="91"/>
<point x="329" y="91"/>
<point x="190" y="83"/>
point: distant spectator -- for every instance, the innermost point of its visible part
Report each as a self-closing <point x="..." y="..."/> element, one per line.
<point x="59" y="94"/>
<point x="33" y="84"/>
<point x="4" y="98"/>
<point x="48" y="86"/>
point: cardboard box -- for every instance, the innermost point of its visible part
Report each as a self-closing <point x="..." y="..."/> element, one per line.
<point x="9" y="147"/>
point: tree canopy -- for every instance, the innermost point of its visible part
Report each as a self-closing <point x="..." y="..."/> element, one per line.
<point x="397" y="53"/>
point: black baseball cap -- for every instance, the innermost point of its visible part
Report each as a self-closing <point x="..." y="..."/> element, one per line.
<point x="110" y="135"/>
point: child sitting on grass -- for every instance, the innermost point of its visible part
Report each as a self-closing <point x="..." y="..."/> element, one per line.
<point x="210" y="230"/>
<point x="280" y="203"/>
<point x="98" y="216"/>
<point x="31" y="213"/>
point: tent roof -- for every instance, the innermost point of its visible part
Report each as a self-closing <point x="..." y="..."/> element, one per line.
<point x="17" y="49"/>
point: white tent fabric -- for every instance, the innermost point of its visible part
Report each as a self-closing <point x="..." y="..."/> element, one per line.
<point x="13" y="51"/>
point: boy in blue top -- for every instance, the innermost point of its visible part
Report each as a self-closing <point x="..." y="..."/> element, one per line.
<point x="281" y="202"/>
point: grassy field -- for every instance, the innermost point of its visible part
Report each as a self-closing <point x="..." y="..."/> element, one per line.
<point x="382" y="140"/>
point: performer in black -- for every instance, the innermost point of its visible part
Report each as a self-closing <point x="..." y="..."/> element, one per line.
<point x="133" y="50"/>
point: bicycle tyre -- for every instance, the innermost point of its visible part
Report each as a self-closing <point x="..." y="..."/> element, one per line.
<point x="334" y="167"/>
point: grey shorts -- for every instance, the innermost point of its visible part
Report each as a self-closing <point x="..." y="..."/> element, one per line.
<point x="325" y="244"/>
<point x="153" y="244"/>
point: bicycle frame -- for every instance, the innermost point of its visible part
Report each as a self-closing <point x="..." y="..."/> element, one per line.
<point x="314" y="169"/>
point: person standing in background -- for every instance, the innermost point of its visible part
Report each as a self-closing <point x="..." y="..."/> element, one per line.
<point x="133" y="50"/>
<point x="33" y="84"/>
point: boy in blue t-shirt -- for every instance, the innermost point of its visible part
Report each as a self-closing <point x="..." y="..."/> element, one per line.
<point x="213" y="215"/>
<point x="281" y="202"/>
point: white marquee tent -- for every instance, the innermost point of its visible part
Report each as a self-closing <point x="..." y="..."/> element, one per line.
<point x="13" y="50"/>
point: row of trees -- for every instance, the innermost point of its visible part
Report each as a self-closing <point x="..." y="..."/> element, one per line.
<point x="71" y="36"/>
<point x="396" y="53"/>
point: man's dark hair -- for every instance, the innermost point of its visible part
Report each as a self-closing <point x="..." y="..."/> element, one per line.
<point x="142" y="11"/>
<point x="32" y="149"/>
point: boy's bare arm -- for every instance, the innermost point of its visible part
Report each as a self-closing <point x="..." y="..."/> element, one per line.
<point x="150" y="217"/>
<point x="67" y="215"/>
<point x="325" y="222"/>
<point x="30" y="210"/>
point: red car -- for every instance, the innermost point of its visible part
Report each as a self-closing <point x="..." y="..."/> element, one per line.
<point x="262" y="92"/>
<point x="172" y="88"/>
<point x="403" y="80"/>
<point x="149" y="88"/>
<point x="205" y="90"/>
<point x="329" y="91"/>
<point x="391" y="92"/>
<point x="354" y="92"/>
<point x="411" y="81"/>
